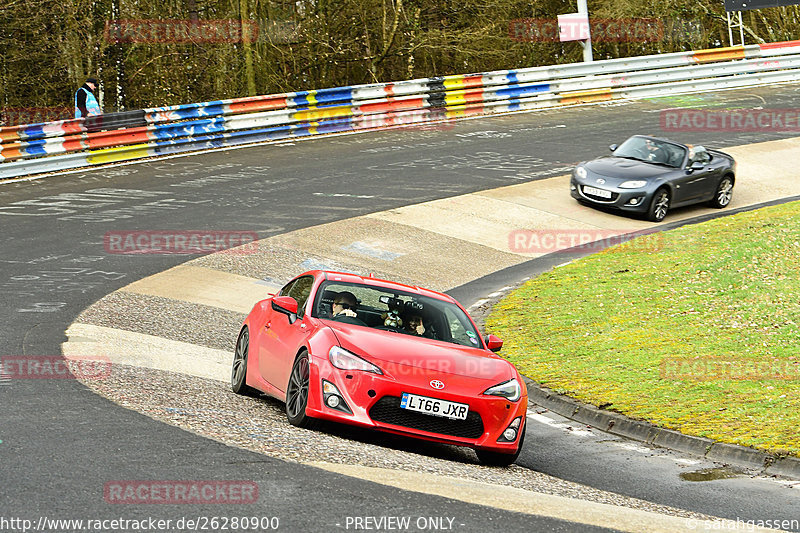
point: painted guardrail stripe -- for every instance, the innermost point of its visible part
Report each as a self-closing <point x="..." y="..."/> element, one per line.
<point x="36" y="148"/>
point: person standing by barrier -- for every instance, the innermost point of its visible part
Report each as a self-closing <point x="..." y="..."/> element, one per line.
<point x="85" y="103"/>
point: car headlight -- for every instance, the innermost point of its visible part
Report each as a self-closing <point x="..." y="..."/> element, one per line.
<point x="632" y="184"/>
<point x="344" y="360"/>
<point x="580" y="172"/>
<point x="511" y="390"/>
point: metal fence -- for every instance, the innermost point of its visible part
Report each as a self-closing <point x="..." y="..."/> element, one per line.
<point x="53" y="146"/>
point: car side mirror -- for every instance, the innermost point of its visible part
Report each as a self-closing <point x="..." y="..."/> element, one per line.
<point x="493" y="342"/>
<point x="286" y="305"/>
<point x="696" y="165"/>
<point x="613" y="147"/>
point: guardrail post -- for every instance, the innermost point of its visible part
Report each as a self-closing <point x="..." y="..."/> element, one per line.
<point x="583" y="9"/>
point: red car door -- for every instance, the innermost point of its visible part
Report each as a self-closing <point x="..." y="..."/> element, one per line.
<point x="279" y="345"/>
<point x="280" y="340"/>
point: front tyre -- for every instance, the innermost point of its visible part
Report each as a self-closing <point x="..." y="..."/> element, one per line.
<point x="489" y="458"/>
<point x="297" y="393"/>
<point x="659" y="206"/>
<point x="239" y="367"/>
<point x="724" y="193"/>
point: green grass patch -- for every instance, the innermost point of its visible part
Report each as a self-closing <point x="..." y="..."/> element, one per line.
<point x="696" y="330"/>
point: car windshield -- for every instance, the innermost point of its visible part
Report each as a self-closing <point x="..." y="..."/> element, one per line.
<point x="652" y="151"/>
<point x="399" y="311"/>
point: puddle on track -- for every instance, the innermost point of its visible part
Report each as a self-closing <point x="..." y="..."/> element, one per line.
<point x="711" y="474"/>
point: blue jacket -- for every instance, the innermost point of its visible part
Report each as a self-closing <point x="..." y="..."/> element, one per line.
<point x="85" y="103"/>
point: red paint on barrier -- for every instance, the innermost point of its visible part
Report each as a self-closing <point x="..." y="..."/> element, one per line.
<point x="261" y="104"/>
<point x="474" y="96"/>
<point x="393" y="104"/>
<point x="473" y="81"/>
<point x="107" y="139"/>
<point x="782" y="44"/>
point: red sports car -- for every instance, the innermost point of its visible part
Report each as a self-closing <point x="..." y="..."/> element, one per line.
<point x="382" y="355"/>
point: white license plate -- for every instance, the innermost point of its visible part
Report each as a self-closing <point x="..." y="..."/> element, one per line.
<point x="434" y="406"/>
<point x="596" y="192"/>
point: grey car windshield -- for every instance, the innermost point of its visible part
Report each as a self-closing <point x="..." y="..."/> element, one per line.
<point x="394" y="310"/>
<point x="652" y="151"/>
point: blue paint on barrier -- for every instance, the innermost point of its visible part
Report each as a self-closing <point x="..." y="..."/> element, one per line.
<point x="186" y="111"/>
<point x="34" y="148"/>
<point x="323" y="97"/>
<point x="176" y="147"/>
<point x="185" y="129"/>
<point x="516" y="91"/>
<point x="338" y="95"/>
<point x="32" y="131"/>
<point x="212" y="110"/>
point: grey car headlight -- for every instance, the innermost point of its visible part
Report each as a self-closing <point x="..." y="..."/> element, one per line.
<point x="344" y="360"/>
<point x="511" y="390"/>
<point x="632" y="184"/>
<point x="580" y="172"/>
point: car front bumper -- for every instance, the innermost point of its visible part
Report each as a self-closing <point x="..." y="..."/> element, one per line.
<point x="374" y="403"/>
<point x="632" y="200"/>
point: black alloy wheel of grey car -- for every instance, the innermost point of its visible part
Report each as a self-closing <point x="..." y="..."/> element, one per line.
<point x="297" y="393"/>
<point x="659" y="206"/>
<point x="724" y="193"/>
<point x="239" y="366"/>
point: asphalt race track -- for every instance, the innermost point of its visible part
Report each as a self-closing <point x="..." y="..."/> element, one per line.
<point x="60" y="443"/>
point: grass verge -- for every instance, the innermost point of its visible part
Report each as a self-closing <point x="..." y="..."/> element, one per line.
<point x="694" y="330"/>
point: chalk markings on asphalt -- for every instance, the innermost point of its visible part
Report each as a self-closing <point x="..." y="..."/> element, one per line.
<point x="688" y="462"/>
<point x="633" y="447"/>
<point x="789" y="483"/>
<point x="569" y="428"/>
<point x="477" y="304"/>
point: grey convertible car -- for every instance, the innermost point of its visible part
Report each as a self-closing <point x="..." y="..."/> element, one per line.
<point x="649" y="176"/>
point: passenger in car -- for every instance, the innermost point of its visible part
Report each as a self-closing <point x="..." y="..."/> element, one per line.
<point x="344" y="309"/>
<point x="415" y="326"/>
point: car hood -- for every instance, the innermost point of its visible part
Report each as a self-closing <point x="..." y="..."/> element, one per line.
<point x="396" y="353"/>
<point x="619" y="167"/>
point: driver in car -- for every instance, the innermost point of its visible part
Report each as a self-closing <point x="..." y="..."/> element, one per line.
<point x="344" y="309"/>
<point x="654" y="152"/>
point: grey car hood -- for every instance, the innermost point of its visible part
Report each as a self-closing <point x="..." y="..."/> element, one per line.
<point x="618" y="167"/>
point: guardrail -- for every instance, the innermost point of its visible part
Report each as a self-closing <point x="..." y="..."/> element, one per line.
<point x="61" y="145"/>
